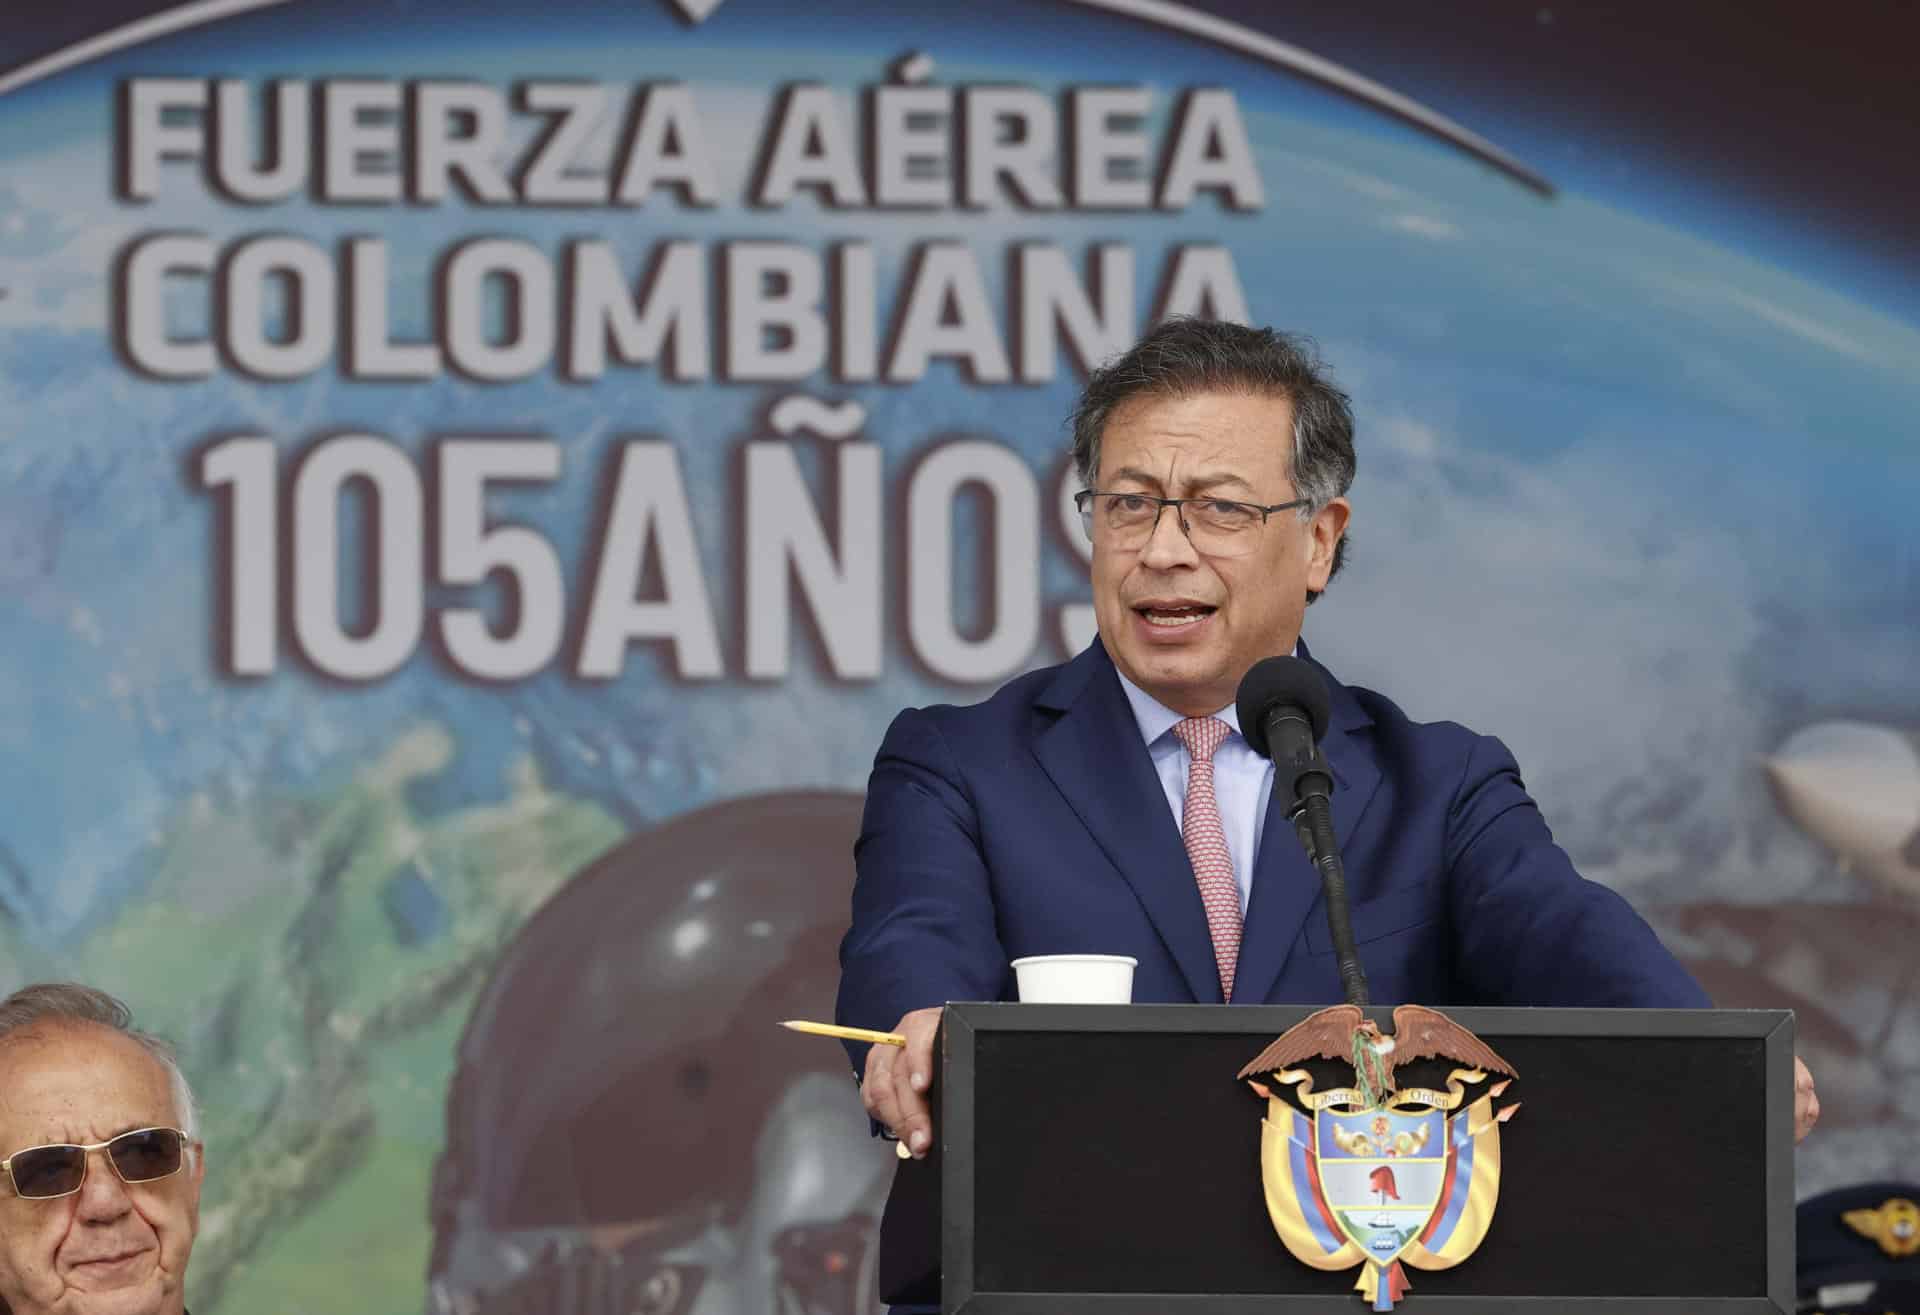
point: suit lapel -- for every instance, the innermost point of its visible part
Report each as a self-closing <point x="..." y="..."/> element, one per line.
<point x="1286" y="888"/>
<point x="1093" y="753"/>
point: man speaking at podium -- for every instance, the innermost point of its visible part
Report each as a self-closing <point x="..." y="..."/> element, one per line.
<point x="1085" y="807"/>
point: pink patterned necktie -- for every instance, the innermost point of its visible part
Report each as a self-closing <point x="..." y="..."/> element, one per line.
<point x="1207" y="844"/>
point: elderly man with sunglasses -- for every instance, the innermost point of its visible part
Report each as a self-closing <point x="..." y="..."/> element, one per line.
<point x="100" y="1164"/>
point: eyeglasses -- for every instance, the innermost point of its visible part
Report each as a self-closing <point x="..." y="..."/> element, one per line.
<point x="1214" y="526"/>
<point x="43" y="1172"/>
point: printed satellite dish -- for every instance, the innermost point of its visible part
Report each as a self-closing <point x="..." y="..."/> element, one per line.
<point x="1855" y="787"/>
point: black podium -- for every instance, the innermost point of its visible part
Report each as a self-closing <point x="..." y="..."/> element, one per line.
<point x="1104" y="1159"/>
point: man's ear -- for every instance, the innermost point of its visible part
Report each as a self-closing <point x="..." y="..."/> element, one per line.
<point x="1328" y="527"/>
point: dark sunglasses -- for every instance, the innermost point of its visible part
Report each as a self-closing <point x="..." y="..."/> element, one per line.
<point x="140" y="1156"/>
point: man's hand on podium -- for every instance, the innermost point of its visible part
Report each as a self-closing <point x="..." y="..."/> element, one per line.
<point x="898" y="1079"/>
<point x="1806" y="1101"/>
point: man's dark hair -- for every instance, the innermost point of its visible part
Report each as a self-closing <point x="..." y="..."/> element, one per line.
<point x="1185" y="356"/>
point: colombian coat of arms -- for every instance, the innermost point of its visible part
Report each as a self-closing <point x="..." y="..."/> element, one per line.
<point x="1376" y="1174"/>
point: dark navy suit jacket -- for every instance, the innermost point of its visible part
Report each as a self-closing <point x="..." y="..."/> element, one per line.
<point x="1034" y="823"/>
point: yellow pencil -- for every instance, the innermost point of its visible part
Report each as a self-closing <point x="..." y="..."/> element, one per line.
<point x="846" y="1033"/>
<point x="854" y="1034"/>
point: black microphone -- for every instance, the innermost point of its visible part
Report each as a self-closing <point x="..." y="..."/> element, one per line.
<point x="1283" y="711"/>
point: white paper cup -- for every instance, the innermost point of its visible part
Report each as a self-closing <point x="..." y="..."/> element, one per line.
<point x="1075" y="979"/>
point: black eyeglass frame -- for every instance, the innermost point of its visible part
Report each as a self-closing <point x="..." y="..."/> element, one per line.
<point x="1083" y="502"/>
<point x="187" y="1144"/>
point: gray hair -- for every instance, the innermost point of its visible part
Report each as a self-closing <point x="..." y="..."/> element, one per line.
<point x="1185" y="356"/>
<point x="57" y="1003"/>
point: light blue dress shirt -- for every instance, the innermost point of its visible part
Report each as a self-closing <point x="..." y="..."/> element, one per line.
<point x="1242" y="779"/>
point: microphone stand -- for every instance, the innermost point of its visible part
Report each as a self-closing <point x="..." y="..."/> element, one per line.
<point x="1312" y="818"/>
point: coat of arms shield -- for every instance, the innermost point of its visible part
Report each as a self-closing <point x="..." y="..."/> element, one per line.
<point x="1378" y="1175"/>
<point x="1381" y="1172"/>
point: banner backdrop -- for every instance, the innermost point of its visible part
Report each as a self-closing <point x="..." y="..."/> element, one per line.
<point x="477" y="480"/>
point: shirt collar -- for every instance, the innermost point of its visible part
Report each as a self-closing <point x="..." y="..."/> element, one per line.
<point x="1156" y="719"/>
